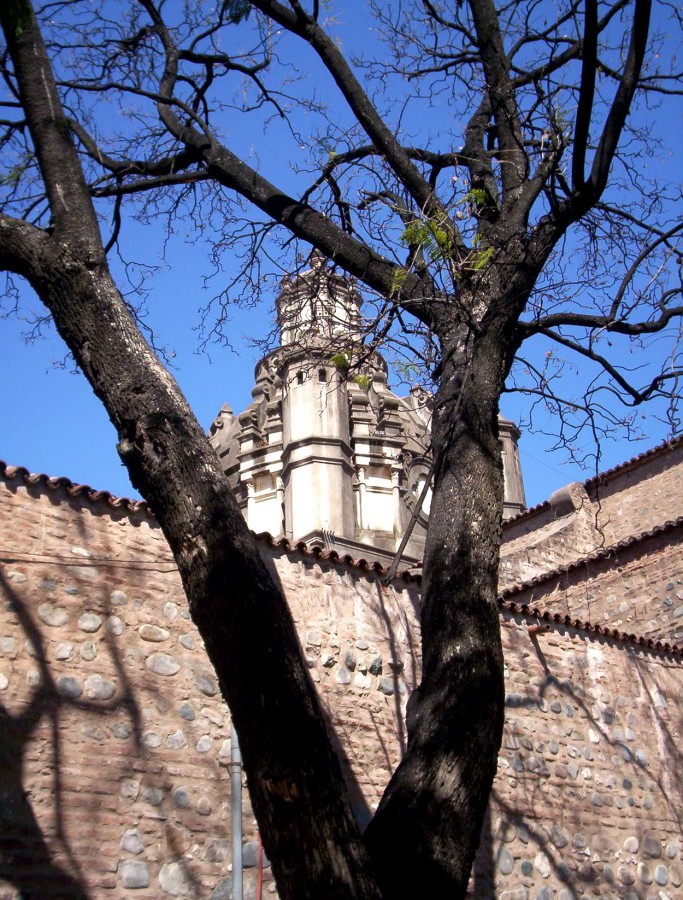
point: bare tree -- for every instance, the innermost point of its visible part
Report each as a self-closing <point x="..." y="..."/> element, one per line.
<point x="462" y="246"/>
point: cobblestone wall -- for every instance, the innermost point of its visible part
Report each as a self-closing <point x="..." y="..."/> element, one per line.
<point x="588" y="797"/>
<point x="115" y="741"/>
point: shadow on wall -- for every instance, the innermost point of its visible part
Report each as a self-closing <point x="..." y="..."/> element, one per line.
<point x="25" y="858"/>
<point x="527" y="830"/>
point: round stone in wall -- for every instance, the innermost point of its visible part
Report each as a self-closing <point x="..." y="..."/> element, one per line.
<point x="223" y="890"/>
<point x="63" y="650"/>
<point x="559" y="837"/>
<point x="69" y="687"/>
<point x="162" y="664"/>
<point x="170" y="610"/>
<point x="89" y="622"/>
<point x="644" y="873"/>
<point x="386" y="686"/>
<point x="505" y="861"/>
<point x="4" y="681"/>
<point x="180" y="798"/>
<point x="151" y="739"/>
<point x="7" y="644"/>
<point x="207" y="684"/>
<point x="114" y="625"/>
<point x="176" y="741"/>
<point x="88" y="650"/>
<point x="313" y="637"/>
<point x="153" y="633"/>
<point x="131" y="842"/>
<point x="204" y="806"/>
<point x="342" y="675"/>
<point x="99" y="688"/>
<point x="661" y="875"/>
<point x="153" y="796"/>
<point x="651" y="847"/>
<point x="187" y="641"/>
<point x="186" y="711"/>
<point x="375" y="667"/>
<point x="542" y="864"/>
<point x="626" y="875"/>
<point x="204" y="744"/>
<point x="52" y="615"/>
<point x="631" y="843"/>
<point x="175" y="880"/>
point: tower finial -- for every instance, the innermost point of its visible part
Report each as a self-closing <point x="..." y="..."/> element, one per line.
<point x="317" y="258"/>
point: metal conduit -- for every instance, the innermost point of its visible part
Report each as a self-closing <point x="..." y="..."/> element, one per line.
<point x="236" y="803"/>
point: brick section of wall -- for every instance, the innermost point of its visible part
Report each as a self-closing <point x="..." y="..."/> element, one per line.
<point x="637" y="589"/>
<point x="115" y="740"/>
<point x="579" y="520"/>
<point x="646" y="493"/>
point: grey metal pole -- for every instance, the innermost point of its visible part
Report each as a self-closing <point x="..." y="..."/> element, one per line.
<point x="236" y="802"/>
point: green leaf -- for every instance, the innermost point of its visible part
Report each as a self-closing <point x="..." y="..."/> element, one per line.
<point x="238" y="10"/>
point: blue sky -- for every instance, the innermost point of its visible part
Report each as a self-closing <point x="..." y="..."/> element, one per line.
<point x="51" y="422"/>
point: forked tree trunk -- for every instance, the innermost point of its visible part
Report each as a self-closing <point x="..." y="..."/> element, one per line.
<point x="426" y="831"/>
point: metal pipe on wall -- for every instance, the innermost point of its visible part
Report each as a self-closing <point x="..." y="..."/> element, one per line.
<point x="236" y="803"/>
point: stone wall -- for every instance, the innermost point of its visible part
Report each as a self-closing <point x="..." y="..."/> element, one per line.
<point x="114" y="778"/>
<point x="114" y="740"/>
<point x="588" y="797"/>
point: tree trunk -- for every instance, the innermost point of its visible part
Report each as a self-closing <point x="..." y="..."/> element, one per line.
<point x="425" y="833"/>
<point x="295" y="781"/>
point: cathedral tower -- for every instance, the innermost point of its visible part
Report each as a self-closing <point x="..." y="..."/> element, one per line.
<point x="328" y="457"/>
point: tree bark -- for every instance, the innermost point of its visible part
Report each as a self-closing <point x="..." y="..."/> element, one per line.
<point x="432" y="812"/>
<point x="295" y="780"/>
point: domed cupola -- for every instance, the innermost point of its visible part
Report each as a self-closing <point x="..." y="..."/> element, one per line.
<point x="318" y="306"/>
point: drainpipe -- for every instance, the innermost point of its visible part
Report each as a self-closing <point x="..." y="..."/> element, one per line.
<point x="236" y="803"/>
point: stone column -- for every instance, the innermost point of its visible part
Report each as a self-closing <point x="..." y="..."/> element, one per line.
<point x="395" y="485"/>
<point x="362" y="503"/>
<point x="251" y="502"/>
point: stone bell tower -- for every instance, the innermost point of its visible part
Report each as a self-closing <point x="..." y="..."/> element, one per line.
<point x="326" y="452"/>
<point x="319" y="317"/>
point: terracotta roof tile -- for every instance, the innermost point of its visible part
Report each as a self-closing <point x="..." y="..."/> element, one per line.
<point x="19" y="473"/>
